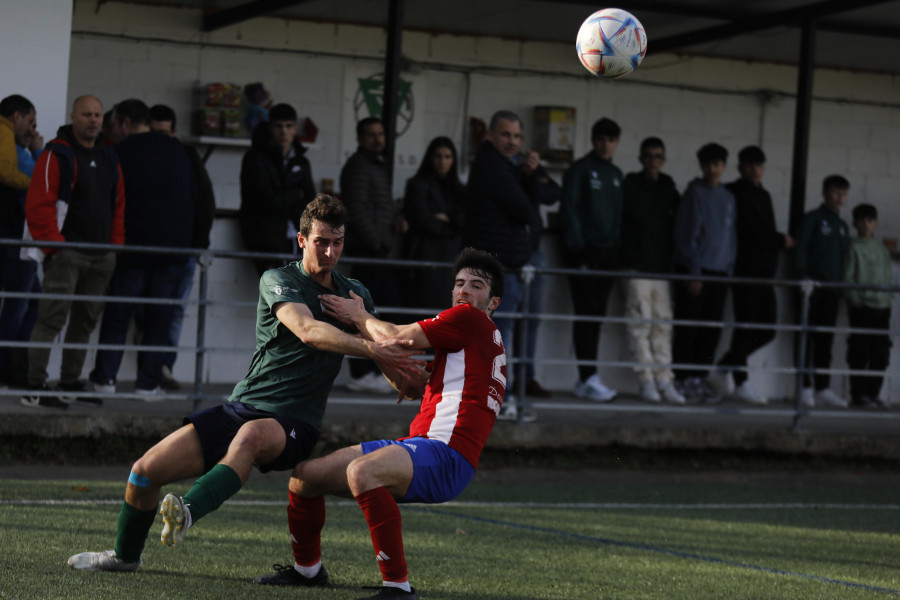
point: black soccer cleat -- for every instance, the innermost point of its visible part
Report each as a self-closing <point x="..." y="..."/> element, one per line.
<point x="392" y="593"/>
<point x="288" y="575"/>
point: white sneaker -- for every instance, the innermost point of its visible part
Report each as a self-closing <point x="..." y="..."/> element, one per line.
<point x="721" y="382"/>
<point x="807" y="398"/>
<point x="829" y="398"/>
<point x="175" y="517"/>
<point x="649" y="392"/>
<point x="372" y="383"/>
<point x="746" y="393"/>
<point x="156" y="394"/>
<point x="593" y="389"/>
<point x="670" y="394"/>
<point x="509" y="411"/>
<point x="102" y="561"/>
<point x="103" y="388"/>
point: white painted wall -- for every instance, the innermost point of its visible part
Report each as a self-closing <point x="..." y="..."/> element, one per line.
<point x="160" y="55"/>
<point x="35" y="42"/>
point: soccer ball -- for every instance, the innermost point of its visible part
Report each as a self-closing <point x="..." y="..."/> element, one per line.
<point x="611" y="43"/>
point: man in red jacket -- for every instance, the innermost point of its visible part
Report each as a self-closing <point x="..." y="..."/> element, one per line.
<point x="76" y="194"/>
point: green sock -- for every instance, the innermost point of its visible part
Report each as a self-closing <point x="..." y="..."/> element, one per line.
<point x="211" y="491"/>
<point x="131" y="535"/>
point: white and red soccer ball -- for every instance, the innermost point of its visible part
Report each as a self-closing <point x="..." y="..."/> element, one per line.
<point x="611" y="43"/>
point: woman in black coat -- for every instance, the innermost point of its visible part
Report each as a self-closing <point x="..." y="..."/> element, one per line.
<point x="433" y="206"/>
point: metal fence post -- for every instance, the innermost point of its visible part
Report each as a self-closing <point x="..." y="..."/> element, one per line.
<point x="520" y="338"/>
<point x="204" y="260"/>
<point x="806" y="290"/>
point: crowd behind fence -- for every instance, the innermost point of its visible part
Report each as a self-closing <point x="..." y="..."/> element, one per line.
<point x="205" y="299"/>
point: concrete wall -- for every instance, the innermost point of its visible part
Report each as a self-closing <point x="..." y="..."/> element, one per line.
<point x="160" y="55"/>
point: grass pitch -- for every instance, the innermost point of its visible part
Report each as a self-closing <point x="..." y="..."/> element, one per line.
<point x="581" y="537"/>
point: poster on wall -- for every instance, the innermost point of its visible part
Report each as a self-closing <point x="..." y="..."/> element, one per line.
<point x="363" y="97"/>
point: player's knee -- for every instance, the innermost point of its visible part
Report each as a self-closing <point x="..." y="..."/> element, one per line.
<point x="359" y="476"/>
<point x="251" y="438"/>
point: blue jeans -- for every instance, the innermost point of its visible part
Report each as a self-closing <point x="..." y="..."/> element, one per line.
<point x="18" y="315"/>
<point x="511" y="301"/>
<point x="147" y="281"/>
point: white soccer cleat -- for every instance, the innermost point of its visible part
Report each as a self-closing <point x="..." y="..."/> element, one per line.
<point x="175" y="516"/>
<point x="102" y="561"/>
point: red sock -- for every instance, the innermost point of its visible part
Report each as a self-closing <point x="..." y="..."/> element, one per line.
<point x="383" y="516"/>
<point x="306" y="518"/>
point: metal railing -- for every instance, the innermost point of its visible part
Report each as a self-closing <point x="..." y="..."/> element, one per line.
<point x="206" y="258"/>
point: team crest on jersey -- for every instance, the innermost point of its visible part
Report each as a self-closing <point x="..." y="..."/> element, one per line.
<point x="279" y="290"/>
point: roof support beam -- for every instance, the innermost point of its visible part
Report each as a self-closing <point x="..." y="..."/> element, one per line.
<point x="389" y="101"/>
<point x="802" y="118"/>
<point x="790" y="17"/>
<point x="245" y="12"/>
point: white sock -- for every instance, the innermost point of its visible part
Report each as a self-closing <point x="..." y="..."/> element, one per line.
<point x="403" y="586"/>
<point x="309" y="572"/>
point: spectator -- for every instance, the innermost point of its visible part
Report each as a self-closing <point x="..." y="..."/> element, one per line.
<point x="162" y="120"/>
<point x="372" y="223"/>
<point x="705" y="244"/>
<point x="160" y="189"/>
<point x="18" y="315"/>
<point x="648" y="218"/>
<point x="591" y="219"/>
<point x="758" y="246"/>
<point x="822" y="243"/>
<point x="276" y="185"/>
<point x="433" y="205"/>
<point x="502" y="217"/>
<point x="868" y="263"/>
<point x="79" y="197"/>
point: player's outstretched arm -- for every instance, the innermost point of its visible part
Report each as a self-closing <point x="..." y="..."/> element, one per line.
<point x="352" y="311"/>
<point x="395" y="352"/>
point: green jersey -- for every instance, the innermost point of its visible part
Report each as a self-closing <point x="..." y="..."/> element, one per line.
<point x="287" y="377"/>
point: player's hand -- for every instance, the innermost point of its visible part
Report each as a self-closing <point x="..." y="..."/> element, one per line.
<point x="413" y="387"/>
<point x="344" y="310"/>
<point x="532" y="161"/>
<point x="694" y="288"/>
<point x="394" y="354"/>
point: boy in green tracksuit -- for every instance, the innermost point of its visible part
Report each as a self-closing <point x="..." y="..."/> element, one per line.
<point x="868" y="262"/>
<point x="822" y="242"/>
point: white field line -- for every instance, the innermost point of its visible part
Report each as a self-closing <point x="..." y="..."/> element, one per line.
<point x="541" y="505"/>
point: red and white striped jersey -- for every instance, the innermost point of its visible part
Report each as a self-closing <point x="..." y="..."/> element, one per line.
<point x="467" y="383"/>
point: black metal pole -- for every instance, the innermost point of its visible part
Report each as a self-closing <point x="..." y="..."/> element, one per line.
<point x="801" y="123"/>
<point x="391" y="81"/>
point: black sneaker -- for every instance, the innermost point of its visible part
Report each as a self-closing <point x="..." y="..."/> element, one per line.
<point x="42" y="401"/>
<point x="78" y="386"/>
<point x="288" y="575"/>
<point x="391" y="593"/>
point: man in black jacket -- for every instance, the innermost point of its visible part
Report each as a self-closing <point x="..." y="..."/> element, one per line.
<point x="758" y="245"/>
<point x="276" y="185"/>
<point x="503" y="217"/>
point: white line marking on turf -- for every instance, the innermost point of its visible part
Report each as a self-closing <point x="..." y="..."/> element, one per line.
<point x="541" y="505"/>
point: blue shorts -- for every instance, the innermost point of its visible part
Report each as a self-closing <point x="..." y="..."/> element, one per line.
<point x="440" y="473"/>
<point x="218" y="425"/>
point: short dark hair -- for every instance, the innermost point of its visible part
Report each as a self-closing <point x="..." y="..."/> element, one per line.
<point x="324" y="208"/>
<point x="365" y="123"/>
<point x="605" y="128"/>
<point x="838" y="182"/>
<point x="161" y="112"/>
<point x="711" y="153"/>
<point x="134" y="110"/>
<point x="865" y="211"/>
<point x="282" y="112"/>
<point x="506" y="115"/>
<point x="652" y="142"/>
<point x="15" y="104"/>
<point x="751" y="155"/>
<point x="484" y="265"/>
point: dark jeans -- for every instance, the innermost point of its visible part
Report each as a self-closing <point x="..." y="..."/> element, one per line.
<point x="823" y="312"/>
<point x="693" y="344"/>
<point x="18" y="315"/>
<point x="511" y="302"/>
<point x="380" y="281"/>
<point x="589" y="298"/>
<point x="868" y="351"/>
<point x="752" y="304"/>
<point x="148" y="281"/>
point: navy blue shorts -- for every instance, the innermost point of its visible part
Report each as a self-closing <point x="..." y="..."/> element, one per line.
<point x="218" y="425"/>
<point x="440" y="473"/>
